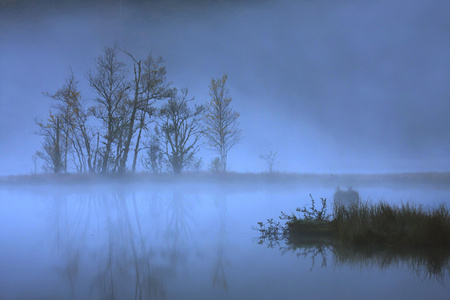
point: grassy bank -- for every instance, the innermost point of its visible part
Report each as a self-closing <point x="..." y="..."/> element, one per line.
<point x="390" y="224"/>
<point x="381" y="223"/>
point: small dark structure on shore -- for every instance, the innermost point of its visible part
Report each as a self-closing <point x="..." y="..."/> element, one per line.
<point x="346" y="198"/>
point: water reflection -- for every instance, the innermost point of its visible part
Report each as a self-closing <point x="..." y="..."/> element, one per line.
<point x="130" y="245"/>
<point x="117" y="239"/>
<point x="428" y="263"/>
<point x="219" y="276"/>
<point x="126" y="267"/>
<point x="175" y="243"/>
<point x="431" y="263"/>
<point x="68" y="249"/>
<point x="178" y="228"/>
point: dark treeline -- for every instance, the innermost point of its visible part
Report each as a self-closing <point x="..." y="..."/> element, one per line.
<point x="137" y="116"/>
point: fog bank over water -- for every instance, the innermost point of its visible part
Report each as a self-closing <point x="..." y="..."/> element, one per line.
<point x="334" y="86"/>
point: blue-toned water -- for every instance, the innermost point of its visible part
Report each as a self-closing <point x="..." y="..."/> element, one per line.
<point x="189" y="242"/>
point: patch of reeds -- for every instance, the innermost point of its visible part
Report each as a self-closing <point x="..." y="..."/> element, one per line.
<point x="384" y="223"/>
<point x="362" y="224"/>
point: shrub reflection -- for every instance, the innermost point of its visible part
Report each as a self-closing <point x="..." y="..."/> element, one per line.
<point x="432" y="263"/>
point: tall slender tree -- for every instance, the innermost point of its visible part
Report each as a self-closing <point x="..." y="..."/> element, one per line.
<point x="221" y="124"/>
<point x="149" y="84"/>
<point x="109" y="81"/>
<point x="271" y="159"/>
<point x="154" y="160"/>
<point x="52" y="151"/>
<point x="180" y="131"/>
<point x="74" y="116"/>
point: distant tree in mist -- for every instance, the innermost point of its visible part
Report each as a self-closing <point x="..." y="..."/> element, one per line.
<point x="67" y="134"/>
<point x="180" y="131"/>
<point x="271" y="159"/>
<point x="221" y="125"/>
<point x="148" y="84"/>
<point x="109" y="81"/>
<point x="196" y="165"/>
<point x="125" y="104"/>
<point x="215" y="165"/>
<point x="59" y="130"/>
<point x="98" y="136"/>
<point x="154" y="161"/>
<point x="51" y="150"/>
<point x="78" y="134"/>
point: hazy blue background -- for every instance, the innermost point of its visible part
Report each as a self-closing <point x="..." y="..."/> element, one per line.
<point x="334" y="86"/>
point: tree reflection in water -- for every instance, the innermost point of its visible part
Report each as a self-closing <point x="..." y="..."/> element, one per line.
<point x="177" y="229"/>
<point x="427" y="262"/>
<point x="64" y="226"/>
<point x="219" y="277"/>
<point x="431" y="263"/>
<point x="120" y="243"/>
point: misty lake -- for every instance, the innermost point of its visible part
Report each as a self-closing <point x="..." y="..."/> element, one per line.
<point x="142" y="241"/>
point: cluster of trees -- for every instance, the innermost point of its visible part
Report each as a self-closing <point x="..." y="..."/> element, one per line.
<point x="136" y="108"/>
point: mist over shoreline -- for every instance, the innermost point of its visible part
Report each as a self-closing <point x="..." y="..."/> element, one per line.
<point x="205" y="181"/>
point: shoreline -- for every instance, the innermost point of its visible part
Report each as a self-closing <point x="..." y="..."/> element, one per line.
<point x="437" y="179"/>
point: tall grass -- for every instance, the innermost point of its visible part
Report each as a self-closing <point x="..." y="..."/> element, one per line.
<point x="384" y="223"/>
<point x="362" y="224"/>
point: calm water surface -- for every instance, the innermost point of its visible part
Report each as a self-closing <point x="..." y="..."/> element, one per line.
<point x="193" y="242"/>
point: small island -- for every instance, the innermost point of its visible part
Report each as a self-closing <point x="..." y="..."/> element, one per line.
<point x="361" y="224"/>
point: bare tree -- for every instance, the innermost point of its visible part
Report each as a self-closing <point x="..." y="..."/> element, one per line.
<point x="180" y="131"/>
<point x="142" y="127"/>
<point x="221" y="125"/>
<point x="123" y="114"/>
<point x="270" y="159"/>
<point x="124" y="105"/>
<point x="60" y="130"/>
<point x="51" y="152"/>
<point x="149" y="84"/>
<point x="73" y="114"/>
<point x="109" y="81"/>
<point x="154" y="161"/>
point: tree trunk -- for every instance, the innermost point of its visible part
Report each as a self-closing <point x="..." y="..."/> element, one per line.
<point x="117" y="161"/>
<point x="65" y="154"/>
<point x="106" y="157"/>
<point x="96" y="151"/>
<point x="87" y="144"/>
<point x="137" y="79"/>
<point x="136" y="151"/>
<point x="108" y="145"/>
<point x="57" y="151"/>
